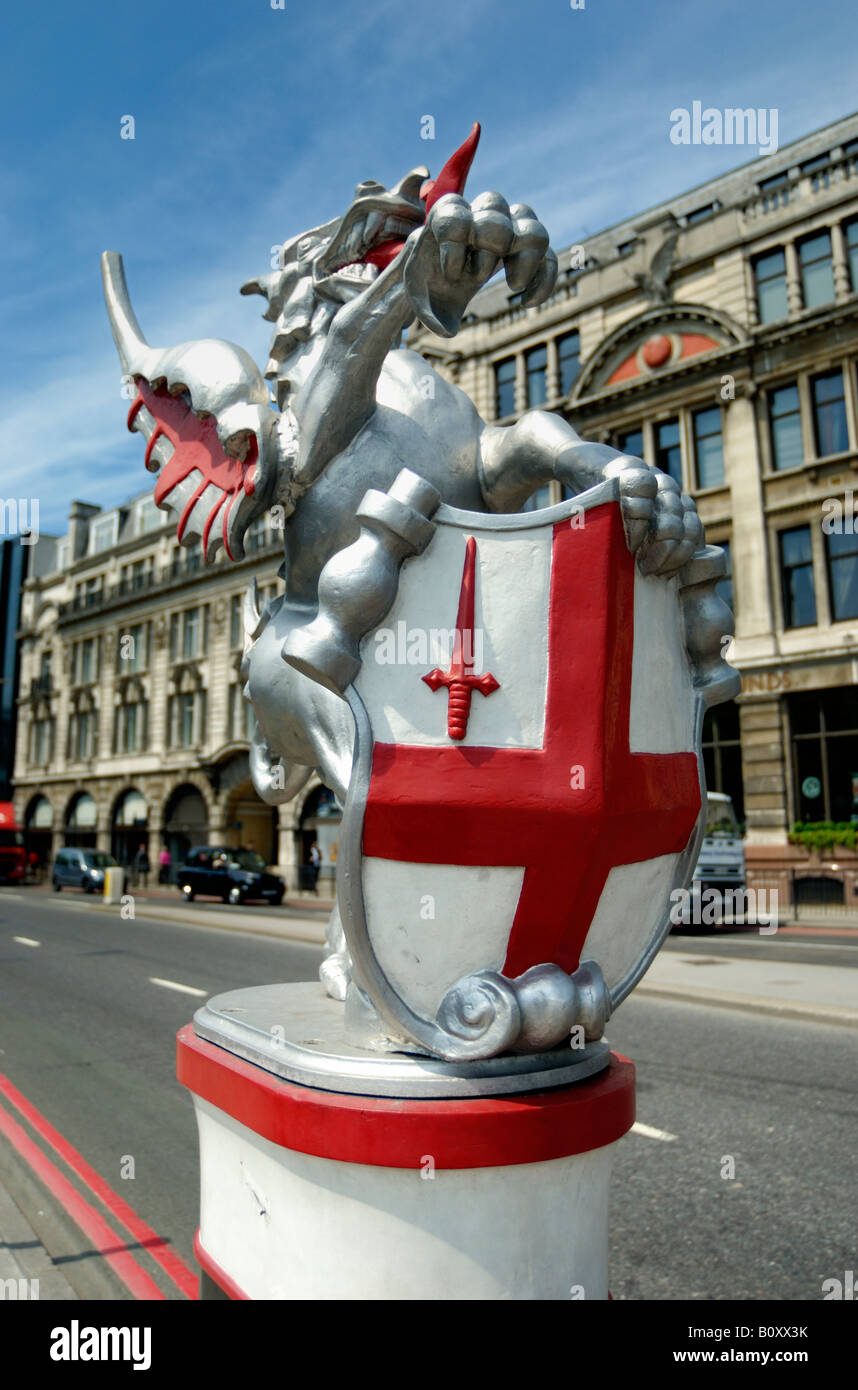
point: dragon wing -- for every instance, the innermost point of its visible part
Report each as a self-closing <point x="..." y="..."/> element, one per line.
<point x="205" y="412"/>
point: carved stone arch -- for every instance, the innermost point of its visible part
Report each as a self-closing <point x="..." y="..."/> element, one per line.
<point x="664" y="337"/>
<point x="198" y="782"/>
<point x="300" y="801"/>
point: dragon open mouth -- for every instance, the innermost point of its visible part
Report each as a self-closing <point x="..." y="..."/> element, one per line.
<point x="378" y="223"/>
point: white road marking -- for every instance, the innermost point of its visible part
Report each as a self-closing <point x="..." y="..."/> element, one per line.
<point x="16" y="897"/>
<point x="26" y="941"/>
<point x="649" y="1132"/>
<point x="182" y="989"/>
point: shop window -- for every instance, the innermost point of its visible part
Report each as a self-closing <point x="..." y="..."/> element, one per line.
<point x="824" y="737"/>
<point x="722" y="754"/>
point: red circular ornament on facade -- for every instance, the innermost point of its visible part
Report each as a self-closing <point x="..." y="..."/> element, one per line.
<point x="657" y="350"/>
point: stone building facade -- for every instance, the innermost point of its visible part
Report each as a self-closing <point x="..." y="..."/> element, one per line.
<point x="132" y="727"/>
<point x="716" y="335"/>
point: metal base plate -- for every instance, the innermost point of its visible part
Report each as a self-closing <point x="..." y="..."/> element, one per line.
<point x="298" y="1032"/>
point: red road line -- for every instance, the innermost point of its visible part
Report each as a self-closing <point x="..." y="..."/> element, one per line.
<point x="103" y="1237"/>
<point x="171" y="1263"/>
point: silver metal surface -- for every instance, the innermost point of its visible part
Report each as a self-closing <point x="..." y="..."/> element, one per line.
<point x="298" y="1032"/>
<point x="353" y="408"/>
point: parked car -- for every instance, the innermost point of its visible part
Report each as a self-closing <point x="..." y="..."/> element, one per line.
<point x="81" y="868"/>
<point x="233" y="875"/>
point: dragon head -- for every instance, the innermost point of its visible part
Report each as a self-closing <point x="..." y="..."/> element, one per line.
<point x="323" y="268"/>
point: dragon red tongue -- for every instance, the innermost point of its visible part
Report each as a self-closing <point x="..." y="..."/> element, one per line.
<point x="450" y="180"/>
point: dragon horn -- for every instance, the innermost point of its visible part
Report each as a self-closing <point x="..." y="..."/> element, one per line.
<point x="452" y="177"/>
<point x="127" y="334"/>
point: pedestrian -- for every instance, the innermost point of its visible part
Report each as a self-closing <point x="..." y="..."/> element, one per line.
<point x="164" y="860"/>
<point x="141" y="867"/>
<point x="315" y="864"/>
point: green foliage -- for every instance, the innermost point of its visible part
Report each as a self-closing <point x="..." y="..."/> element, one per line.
<point x="824" y="834"/>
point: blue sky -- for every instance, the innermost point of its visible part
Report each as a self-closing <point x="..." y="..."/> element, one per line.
<point x="253" y="123"/>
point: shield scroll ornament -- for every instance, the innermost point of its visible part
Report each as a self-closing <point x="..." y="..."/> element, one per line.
<point x="527" y="782"/>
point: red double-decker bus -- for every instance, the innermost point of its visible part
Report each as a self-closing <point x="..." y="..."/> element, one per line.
<point x="13" y="856"/>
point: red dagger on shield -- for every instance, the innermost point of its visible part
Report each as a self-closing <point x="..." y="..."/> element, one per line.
<point x="460" y="679"/>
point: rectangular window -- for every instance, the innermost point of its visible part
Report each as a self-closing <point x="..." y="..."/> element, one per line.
<point x="817" y="277"/>
<point x="708" y="450"/>
<point x="131" y="728"/>
<point x="722" y="754"/>
<point x="824" y="729"/>
<point x="87" y="661"/>
<point x="699" y="214"/>
<point x="149" y="516"/>
<point x="850" y="236"/>
<point x="785" y="427"/>
<point x="725" y="585"/>
<point x="187" y="706"/>
<point x="134" y="648"/>
<point x="829" y="414"/>
<point x="536" y="361"/>
<point x="568" y="360"/>
<point x="505" y="388"/>
<point x="770" y="279"/>
<point x="668" y="456"/>
<point x="841" y="549"/>
<point x="235" y="620"/>
<point x="799" y="595"/>
<point x="191" y="633"/>
<point x="175" y="621"/>
<point x="103" y="534"/>
<point x="631" y="443"/>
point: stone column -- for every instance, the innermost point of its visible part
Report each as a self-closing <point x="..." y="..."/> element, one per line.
<point x="287" y="855"/>
<point x="552" y="373"/>
<point x="793" y="279"/>
<point x="754" y="619"/>
<point x="764" y="770"/>
<point x="839" y="265"/>
<point x="520" y="383"/>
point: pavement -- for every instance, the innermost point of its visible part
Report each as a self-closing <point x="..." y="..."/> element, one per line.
<point x="784" y="989"/>
<point x="24" y="1259"/>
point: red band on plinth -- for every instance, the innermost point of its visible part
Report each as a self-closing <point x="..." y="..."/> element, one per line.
<point x="217" y="1272"/>
<point x="488" y="1132"/>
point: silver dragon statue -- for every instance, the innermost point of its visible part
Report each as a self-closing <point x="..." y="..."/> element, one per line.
<point x="352" y="408"/>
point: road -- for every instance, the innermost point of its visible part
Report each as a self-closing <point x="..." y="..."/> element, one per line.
<point x="87" y="1037"/>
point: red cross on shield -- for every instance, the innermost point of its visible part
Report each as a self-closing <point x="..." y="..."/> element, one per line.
<point x="576" y="788"/>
